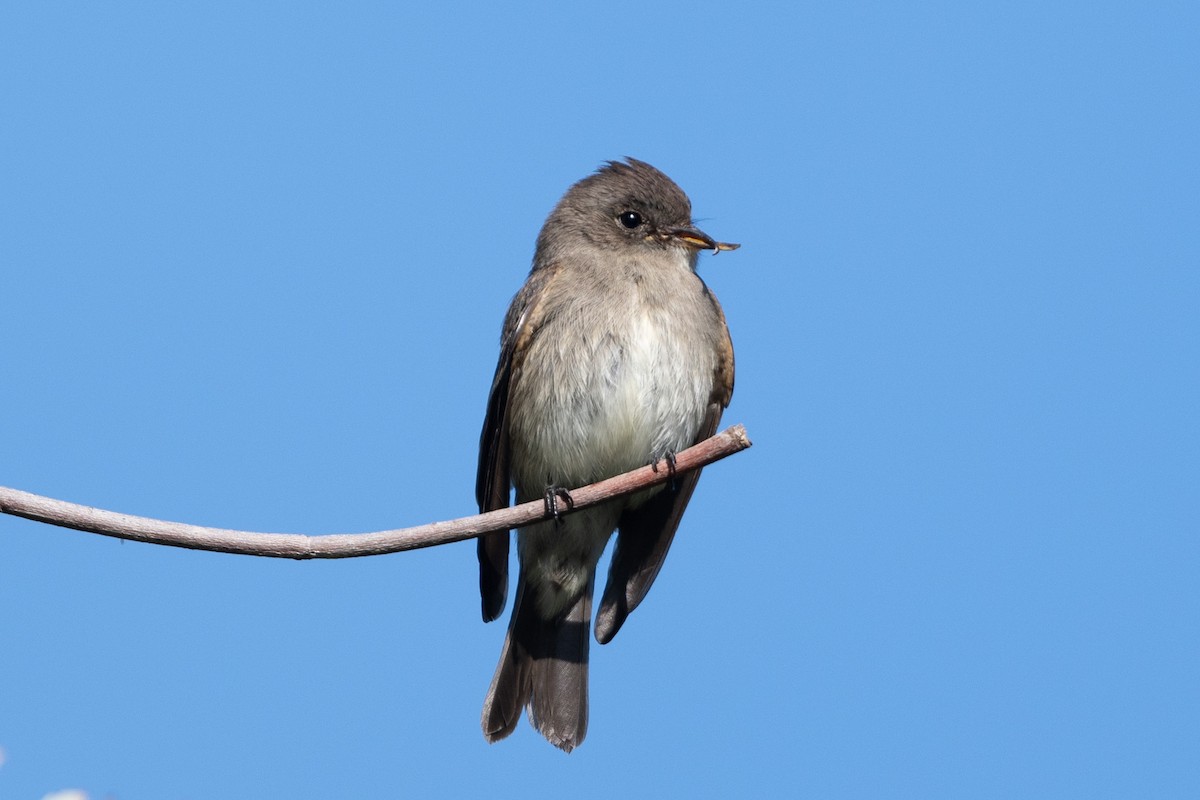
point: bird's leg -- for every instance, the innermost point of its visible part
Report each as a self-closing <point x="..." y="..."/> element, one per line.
<point x="551" y="498"/>
<point x="669" y="457"/>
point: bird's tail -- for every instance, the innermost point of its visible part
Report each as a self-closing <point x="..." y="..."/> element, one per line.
<point x="543" y="667"/>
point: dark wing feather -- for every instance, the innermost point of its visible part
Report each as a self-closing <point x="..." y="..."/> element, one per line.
<point x="491" y="491"/>
<point x="494" y="475"/>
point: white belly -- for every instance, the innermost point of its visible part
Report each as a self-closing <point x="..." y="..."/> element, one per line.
<point x="614" y="401"/>
<point x="651" y="408"/>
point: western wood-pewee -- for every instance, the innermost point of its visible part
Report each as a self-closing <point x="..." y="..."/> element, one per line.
<point x="614" y="355"/>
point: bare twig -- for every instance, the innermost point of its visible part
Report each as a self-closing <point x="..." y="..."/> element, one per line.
<point x="350" y="545"/>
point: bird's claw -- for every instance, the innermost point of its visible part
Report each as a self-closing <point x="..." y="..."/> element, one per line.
<point x="551" y="498"/>
<point x="670" y="459"/>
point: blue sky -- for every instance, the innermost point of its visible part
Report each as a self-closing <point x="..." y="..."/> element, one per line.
<point x="253" y="264"/>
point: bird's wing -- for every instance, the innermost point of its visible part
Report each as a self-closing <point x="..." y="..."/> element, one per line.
<point x="492" y="481"/>
<point x="645" y="533"/>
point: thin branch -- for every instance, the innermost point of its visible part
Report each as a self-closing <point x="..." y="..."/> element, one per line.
<point x="350" y="545"/>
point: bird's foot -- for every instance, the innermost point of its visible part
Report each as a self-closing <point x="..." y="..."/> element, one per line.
<point x="670" y="459"/>
<point x="552" y="497"/>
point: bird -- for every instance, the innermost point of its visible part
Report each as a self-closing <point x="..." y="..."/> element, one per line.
<point x="614" y="354"/>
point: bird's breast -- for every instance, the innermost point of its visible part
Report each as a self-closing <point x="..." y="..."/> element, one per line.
<point x="610" y="384"/>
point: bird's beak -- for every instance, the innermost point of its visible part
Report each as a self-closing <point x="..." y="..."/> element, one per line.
<point x="693" y="237"/>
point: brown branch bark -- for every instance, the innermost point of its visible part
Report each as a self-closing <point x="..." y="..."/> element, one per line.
<point x="350" y="545"/>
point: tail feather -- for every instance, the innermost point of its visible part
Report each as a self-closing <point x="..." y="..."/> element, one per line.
<point x="544" y="668"/>
<point x="559" y="707"/>
<point x="511" y="686"/>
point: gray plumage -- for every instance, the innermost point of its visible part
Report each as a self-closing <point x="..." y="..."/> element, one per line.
<point x="614" y="354"/>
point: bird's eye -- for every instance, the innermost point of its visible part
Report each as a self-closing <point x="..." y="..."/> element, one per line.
<point x="630" y="219"/>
